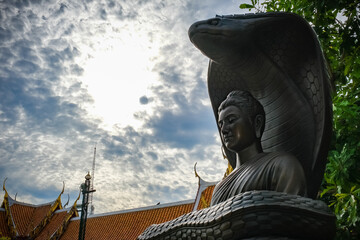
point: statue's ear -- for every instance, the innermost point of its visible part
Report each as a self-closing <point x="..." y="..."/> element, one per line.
<point x="258" y="125"/>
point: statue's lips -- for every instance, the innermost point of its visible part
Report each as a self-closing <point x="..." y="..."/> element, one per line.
<point x="228" y="139"/>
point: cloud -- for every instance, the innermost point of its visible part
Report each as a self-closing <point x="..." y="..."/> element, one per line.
<point x="153" y="155"/>
<point x="25" y="66"/>
<point x="48" y="133"/>
<point x="185" y="129"/>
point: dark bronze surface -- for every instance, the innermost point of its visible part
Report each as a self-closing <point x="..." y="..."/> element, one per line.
<point x="241" y="122"/>
<point x="277" y="58"/>
<point x="252" y="215"/>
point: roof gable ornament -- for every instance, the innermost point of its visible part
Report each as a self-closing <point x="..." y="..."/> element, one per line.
<point x="55" y="206"/>
<point x="72" y="213"/>
<point x="9" y="219"/>
<point x="203" y="185"/>
<point x="67" y="202"/>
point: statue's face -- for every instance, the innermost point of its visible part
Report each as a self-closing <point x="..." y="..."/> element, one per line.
<point x="236" y="129"/>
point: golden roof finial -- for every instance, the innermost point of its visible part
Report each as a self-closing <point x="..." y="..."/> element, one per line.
<point x="58" y="200"/>
<point x="63" y="188"/>
<point x="67" y="201"/>
<point x="77" y="198"/>
<point x="4" y="184"/>
<point x="6" y="193"/>
<point x="196" y="174"/>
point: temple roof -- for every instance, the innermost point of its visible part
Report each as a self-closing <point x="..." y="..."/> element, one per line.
<point x="24" y="220"/>
<point x="57" y="224"/>
<point x="4" y="230"/>
<point x="127" y="224"/>
<point x="53" y="225"/>
<point x="50" y="221"/>
<point x="27" y="217"/>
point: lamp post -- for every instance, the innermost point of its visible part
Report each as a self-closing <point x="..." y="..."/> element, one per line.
<point x="85" y="188"/>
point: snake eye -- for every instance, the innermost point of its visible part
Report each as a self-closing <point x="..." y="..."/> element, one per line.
<point x="214" y="21"/>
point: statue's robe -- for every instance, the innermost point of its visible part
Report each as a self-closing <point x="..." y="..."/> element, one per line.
<point x="276" y="171"/>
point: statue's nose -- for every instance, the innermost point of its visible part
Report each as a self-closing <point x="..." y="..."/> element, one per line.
<point x="224" y="129"/>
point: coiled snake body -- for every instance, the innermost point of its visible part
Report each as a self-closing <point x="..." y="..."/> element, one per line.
<point x="251" y="215"/>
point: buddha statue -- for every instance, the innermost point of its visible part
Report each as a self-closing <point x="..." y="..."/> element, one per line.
<point x="241" y="122"/>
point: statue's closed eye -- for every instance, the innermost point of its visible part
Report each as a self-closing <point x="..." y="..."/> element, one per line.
<point x="231" y="119"/>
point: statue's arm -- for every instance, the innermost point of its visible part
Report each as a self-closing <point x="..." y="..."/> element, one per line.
<point x="289" y="176"/>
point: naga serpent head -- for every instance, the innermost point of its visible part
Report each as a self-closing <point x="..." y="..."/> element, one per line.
<point x="231" y="37"/>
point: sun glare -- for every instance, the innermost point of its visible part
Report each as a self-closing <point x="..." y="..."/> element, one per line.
<point x="117" y="75"/>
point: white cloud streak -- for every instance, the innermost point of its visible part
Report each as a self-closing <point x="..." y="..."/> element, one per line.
<point x="48" y="129"/>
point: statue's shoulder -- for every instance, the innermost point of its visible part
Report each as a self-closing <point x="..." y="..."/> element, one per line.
<point x="284" y="160"/>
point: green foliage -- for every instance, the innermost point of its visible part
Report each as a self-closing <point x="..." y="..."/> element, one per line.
<point x="342" y="180"/>
<point x="337" y="24"/>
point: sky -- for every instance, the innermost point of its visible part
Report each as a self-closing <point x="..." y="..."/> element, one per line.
<point x="119" y="75"/>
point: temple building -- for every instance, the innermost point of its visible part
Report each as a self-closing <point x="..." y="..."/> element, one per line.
<point x="20" y="220"/>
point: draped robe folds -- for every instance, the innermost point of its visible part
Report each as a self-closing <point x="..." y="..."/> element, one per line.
<point x="276" y="171"/>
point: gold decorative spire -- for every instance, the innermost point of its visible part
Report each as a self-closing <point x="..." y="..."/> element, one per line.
<point x="72" y="212"/>
<point x="57" y="203"/>
<point x="67" y="201"/>
<point x="4" y="185"/>
<point x="77" y="198"/>
<point x="6" y="205"/>
<point x="63" y="188"/>
<point x="196" y="174"/>
<point x="200" y="198"/>
<point x="54" y="206"/>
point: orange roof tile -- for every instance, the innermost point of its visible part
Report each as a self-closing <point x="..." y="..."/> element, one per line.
<point x="43" y="216"/>
<point x="4" y="230"/>
<point x="128" y="224"/>
<point x="39" y="213"/>
<point x="27" y="220"/>
<point x="55" y="222"/>
<point x="205" y="198"/>
<point x="26" y="217"/>
<point x="204" y="193"/>
<point x="44" y="222"/>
